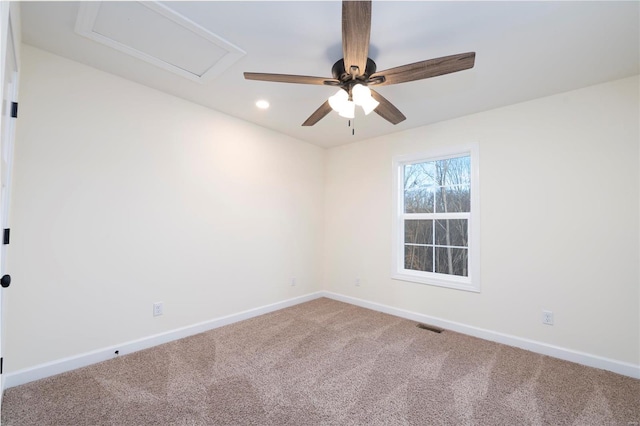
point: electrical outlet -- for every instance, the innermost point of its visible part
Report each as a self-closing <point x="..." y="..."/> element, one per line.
<point x="547" y="317"/>
<point x="358" y="282"/>
<point x="294" y="282"/>
<point x="157" y="309"/>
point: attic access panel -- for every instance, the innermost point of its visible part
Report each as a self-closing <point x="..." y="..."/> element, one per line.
<point x="158" y="35"/>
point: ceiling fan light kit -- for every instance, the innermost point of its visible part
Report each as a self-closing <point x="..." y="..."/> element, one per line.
<point x="356" y="71"/>
<point x="345" y="104"/>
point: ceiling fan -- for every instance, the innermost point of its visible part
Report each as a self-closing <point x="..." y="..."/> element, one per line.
<point x="356" y="71"/>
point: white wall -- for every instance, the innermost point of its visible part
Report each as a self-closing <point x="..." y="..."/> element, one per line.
<point x="559" y="199"/>
<point x="125" y="196"/>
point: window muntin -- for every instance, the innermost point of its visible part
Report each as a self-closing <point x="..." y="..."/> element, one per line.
<point x="433" y="239"/>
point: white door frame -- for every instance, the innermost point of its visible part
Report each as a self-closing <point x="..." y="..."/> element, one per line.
<point x="9" y="66"/>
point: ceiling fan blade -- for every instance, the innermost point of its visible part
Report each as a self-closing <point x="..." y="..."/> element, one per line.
<point x="288" y="78"/>
<point x="318" y="114"/>
<point x="427" y="69"/>
<point x="356" y="30"/>
<point x="386" y="109"/>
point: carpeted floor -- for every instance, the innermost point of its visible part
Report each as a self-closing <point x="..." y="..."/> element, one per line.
<point x="328" y="363"/>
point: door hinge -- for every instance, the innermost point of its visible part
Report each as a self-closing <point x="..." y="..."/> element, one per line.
<point x="1" y="362"/>
<point x="6" y="236"/>
<point x="14" y="109"/>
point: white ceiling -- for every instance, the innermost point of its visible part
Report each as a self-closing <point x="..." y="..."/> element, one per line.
<point x="524" y="50"/>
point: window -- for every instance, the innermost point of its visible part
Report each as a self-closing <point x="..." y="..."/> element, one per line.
<point x="436" y="219"/>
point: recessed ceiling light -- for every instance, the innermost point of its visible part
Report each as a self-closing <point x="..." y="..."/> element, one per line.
<point x="262" y="104"/>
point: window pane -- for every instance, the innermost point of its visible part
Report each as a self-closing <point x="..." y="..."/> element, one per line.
<point x="419" y="174"/>
<point x="418" y="258"/>
<point x="452" y="232"/>
<point x="452" y="261"/>
<point x="418" y="201"/>
<point x="453" y="199"/>
<point x="453" y="171"/>
<point x="419" y="188"/>
<point x="418" y="231"/>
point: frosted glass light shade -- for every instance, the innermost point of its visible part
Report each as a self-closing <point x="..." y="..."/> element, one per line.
<point x="369" y="105"/>
<point x="362" y="97"/>
<point x="338" y="101"/>
<point x="360" y="94"/>
<point x="348" y="110"/>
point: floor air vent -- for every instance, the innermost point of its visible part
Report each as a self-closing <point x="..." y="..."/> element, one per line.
<point x="430" y="328"/>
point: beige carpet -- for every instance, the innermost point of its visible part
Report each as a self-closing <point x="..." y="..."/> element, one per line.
<point x="328" y="363"/>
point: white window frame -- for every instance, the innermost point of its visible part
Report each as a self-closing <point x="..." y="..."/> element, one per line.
<point x="468" y="283"/>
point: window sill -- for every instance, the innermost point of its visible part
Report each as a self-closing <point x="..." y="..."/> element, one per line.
<point x="457" y="284"/>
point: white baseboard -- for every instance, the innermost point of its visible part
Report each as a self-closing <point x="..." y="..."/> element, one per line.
<point x="624" y="368"/>
<point x="82" y="360"/>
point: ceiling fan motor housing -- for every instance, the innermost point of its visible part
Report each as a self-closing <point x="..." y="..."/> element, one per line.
<point x="339" y="73"/>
